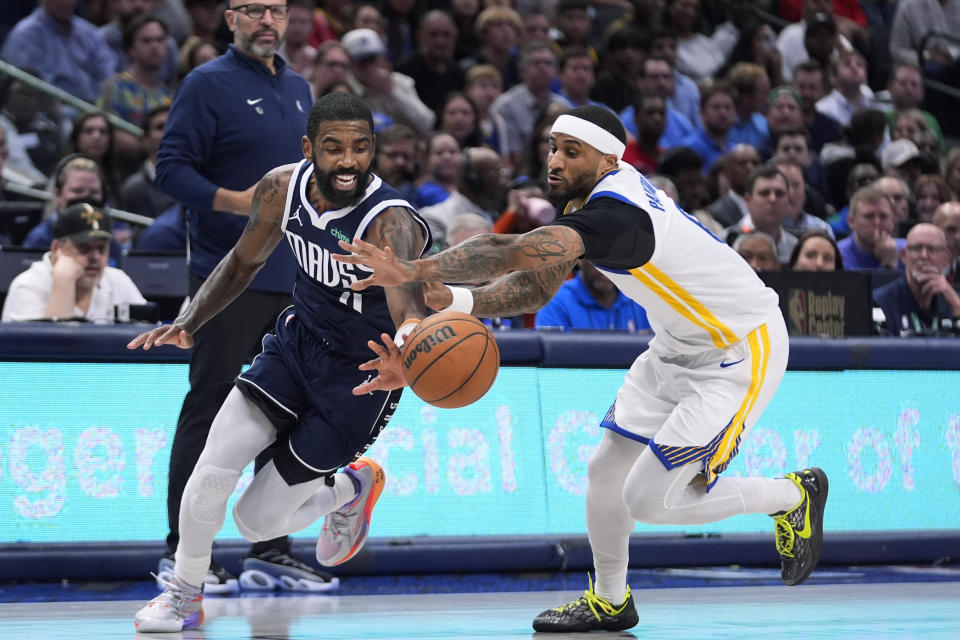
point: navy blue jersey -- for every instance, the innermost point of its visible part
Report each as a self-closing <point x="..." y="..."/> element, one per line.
<point x="322" y="296"/>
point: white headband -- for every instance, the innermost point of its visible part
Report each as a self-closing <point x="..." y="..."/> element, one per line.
<point x="597" y="137"/>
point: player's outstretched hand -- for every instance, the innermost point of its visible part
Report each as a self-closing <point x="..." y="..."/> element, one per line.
<point x="164" y="334"/>
<point x="387" y="364"/>
<point x="388" y="270"/>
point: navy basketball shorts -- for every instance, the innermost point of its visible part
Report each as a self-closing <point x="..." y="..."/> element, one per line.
<point x="303" y="384"/>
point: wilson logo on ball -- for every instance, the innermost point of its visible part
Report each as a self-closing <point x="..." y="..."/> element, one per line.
<point x="428" y="342"/>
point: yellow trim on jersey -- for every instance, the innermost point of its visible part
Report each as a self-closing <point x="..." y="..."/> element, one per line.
<point x="759" y="341"/>
<point x="685" y="304"/>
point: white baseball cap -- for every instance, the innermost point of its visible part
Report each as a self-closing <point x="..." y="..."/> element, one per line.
<point x="899" y="152"/>
<point x="363" y="43"/>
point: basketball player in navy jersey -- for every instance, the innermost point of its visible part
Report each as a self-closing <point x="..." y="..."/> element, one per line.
<point x="297" y="392"/>
<point x="718" y="355"/>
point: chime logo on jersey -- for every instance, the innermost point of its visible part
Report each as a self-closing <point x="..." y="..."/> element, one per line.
<point x="317" y="263"/>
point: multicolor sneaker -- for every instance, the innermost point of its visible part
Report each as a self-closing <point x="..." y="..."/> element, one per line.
<point x="345" y="531"/>
<point x="178" y="608"/>
<point x="274" y="569"/>
<point x="218" y="581"/>
<point x="589" y="613"/>
<point x="800" y="530"/>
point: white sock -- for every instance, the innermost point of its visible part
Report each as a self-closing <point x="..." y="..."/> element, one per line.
<point x="191" y="571"/>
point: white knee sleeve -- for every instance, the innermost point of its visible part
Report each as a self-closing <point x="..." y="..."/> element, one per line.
<point x="269" y="507"/>
<point x="207" y="498"/>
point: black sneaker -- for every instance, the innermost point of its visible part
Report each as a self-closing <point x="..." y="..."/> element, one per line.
<point x="218" y="582"/>
<point x="800" y="530"/>
<point x="589" y="613"/>
<point x="275" y="569"/>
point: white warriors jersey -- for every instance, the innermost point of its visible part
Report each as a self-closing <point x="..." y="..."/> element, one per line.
<point x="697" y="291"/>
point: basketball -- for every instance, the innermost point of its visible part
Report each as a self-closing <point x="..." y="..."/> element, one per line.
<point x="450" y="360"/>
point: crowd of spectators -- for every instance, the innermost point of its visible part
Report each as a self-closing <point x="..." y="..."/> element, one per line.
<point x="810" y="135"/>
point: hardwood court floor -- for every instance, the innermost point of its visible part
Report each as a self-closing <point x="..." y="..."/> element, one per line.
<point x="904" y="611"/>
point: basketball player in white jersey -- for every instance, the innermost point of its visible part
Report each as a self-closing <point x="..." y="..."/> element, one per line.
<point x="718" y="355"/>
<point x="295" y="398"/>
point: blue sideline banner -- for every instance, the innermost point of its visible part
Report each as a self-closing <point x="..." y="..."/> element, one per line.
<point x="84" y="450"/>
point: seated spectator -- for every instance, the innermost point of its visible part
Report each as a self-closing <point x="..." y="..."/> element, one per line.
<point x="577" y="69"/>
<point x="718" y="114"/>
<point x="379" y="86"/>
<point x="917" y="303"/>
<point x="66" y="50"/>
<point x="947" y="217"/>
<point x="573" y="25"/>
<point x="859" y="175"/>
<point x="752" y="86"/>
<point x="759" y="250"/>
<point x="498" y="29"/>
<point x="850" y="95"/>
<point x="73" y="279"/>
<point x="32" y="123"/>
<point x="617" y="81"/>
<point x="92" y="135"/>
<point x="441" y="166"/>
<point x="533" y="163"/>
<point x="520" y="106"/>
<point x="930" y="192"/>
<point x="331" y="66"/>
<point x="140" y="193"/>
<point x="195" y="52"/>
<point x="900" y="197"/>
<point x="795" y="144"/>
<point x="906" y="92"/>
<point x="784" y="112"/>
<point x="296" y="49"/>
<point x="656" y="79"/>
<point x="591" y="301"/>
<point x="816" y="251"/>
<point x="736" y="167"/>
<point x="483" y="87"/>
<point x="396" y="158"/>
<point x="125" y="12"/>
<point x="206" y="18"/>
<point x="871" y="244"/>
<point x="685" y="98"/>
<point x="464" y="226"/>
<point x="684" y="167"/>
<point x="481" y="190"/>
<point x="458" y="117"/>
<point x="698" y="55"/>
<point x="167" y="233"/>
<point x="809" y="79"/>
<point x="816" y="36"/>
<point x="798" y="219"/>
<point x="433" y="68"/>
<point x="133" y="92"/>
<point x="650" y="121"/>
<point x="757" y="45"/>
<point x="766" y="197"/>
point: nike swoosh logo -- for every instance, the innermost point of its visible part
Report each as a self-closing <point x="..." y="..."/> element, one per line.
<point x="253" y="102"/>
<point x="725" y="364"/>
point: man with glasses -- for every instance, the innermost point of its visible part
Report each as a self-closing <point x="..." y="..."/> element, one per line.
<point x="231" y="121"/>
<point x="918" y="303"/>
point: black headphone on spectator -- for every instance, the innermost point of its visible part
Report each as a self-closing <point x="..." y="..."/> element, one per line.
<point x="471" y="177"/>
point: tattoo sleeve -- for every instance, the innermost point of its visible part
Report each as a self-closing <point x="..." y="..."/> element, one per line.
<point x="398" y="229"/>
<point x="488" y="256"/>
<point x="520" y="291"/>
<point x="260" y="237"/>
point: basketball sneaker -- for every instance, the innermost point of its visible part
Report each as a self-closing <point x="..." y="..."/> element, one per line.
<point x="588" y="613"/>
<point x="274" y="569"/>
<point x="218" y="581"/>
<point x="178" y="608"/>
<point x="344" y="531"/>
<point x="800" y="530"/>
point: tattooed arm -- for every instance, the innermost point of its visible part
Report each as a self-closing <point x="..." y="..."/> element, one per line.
<point x="482" y="257"/>
<point x="238" y="267"/>
<point x="397" y="229"/>
<point x="520" y="291"/>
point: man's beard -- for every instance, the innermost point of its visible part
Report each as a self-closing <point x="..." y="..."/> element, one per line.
<point x="248" y="43"/>
<point x="335" y="196"/>
<point x="580" y="188"/>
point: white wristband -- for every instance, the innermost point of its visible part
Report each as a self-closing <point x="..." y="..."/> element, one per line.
<point x="462" y="300"/>
<point x="404" y="331"/>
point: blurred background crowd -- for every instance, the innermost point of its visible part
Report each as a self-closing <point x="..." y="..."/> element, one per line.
<point x="811" y="135"/>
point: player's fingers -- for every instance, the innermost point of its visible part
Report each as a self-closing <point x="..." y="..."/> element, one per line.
<point x="139" y="340"/>
<point x="360" y="285"/>
<point x="391" y="348"/>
